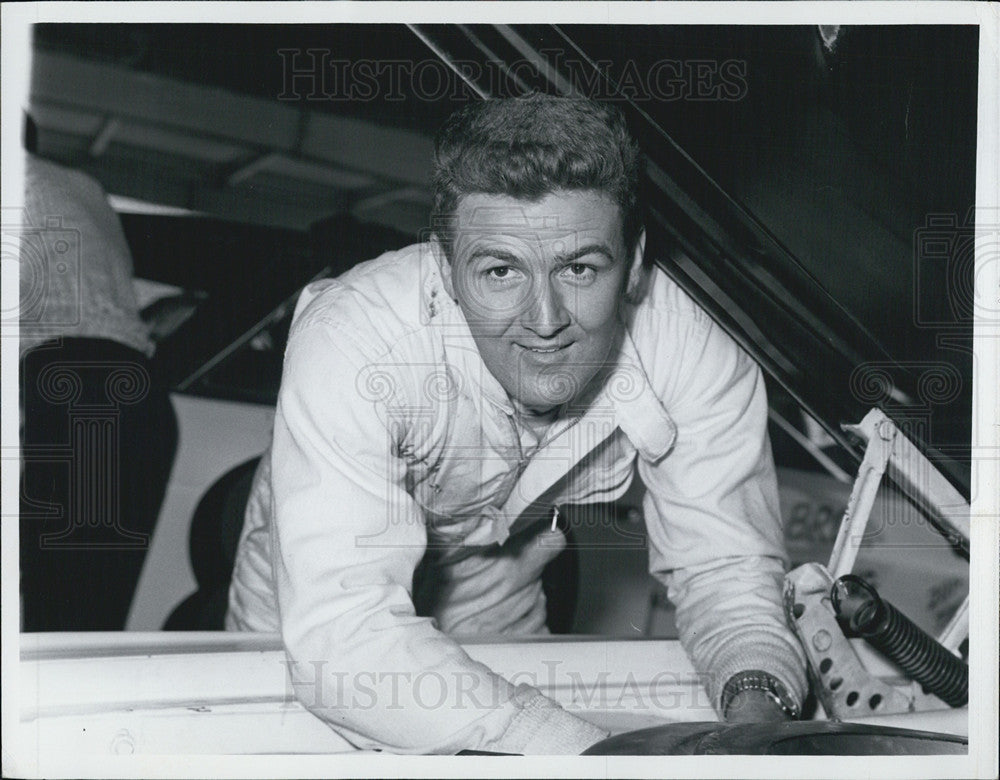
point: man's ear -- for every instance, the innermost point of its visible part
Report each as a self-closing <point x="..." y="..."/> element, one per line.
<point x="442" y="260"/>
<point x="634" y="289"/>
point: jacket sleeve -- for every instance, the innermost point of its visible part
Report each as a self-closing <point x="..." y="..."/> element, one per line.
<point x="715" y="531"/>
<point x="346" y="540"/>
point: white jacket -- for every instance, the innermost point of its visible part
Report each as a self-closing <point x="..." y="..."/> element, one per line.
<point x="392" y="440"/>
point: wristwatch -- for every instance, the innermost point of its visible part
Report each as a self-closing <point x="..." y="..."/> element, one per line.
<point x="756" y="680"/>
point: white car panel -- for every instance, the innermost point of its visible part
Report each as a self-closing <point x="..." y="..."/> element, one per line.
<point x="213" y="437"/>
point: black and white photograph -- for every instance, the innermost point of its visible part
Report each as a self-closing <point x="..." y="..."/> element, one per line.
<point x="552" y="389"/>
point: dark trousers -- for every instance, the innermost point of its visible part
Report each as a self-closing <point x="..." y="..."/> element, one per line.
<point x="98" y="441"/>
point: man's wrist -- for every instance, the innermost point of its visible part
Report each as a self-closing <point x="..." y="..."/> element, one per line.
<point x="542" y="727"/>
<point x="755" y="688"/>
<point x="755" y="707"/>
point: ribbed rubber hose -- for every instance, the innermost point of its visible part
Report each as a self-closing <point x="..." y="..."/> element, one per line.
<point x="892" y="633"/>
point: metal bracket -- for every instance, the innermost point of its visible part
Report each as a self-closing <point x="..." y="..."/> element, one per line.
<point x="844" y="686"/>
<point x="916" y="476"/>
<point x="888" y="449"/>
<point x="957" y="630"/>
<point x="881" y="435"/>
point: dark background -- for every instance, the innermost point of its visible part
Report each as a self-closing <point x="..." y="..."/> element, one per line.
<point x="819" y="203"/>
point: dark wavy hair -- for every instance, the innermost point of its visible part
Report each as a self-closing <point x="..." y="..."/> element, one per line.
<point x="529" y="147"/>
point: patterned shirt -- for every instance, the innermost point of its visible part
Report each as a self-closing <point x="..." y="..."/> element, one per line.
<point x="76" y="268"/>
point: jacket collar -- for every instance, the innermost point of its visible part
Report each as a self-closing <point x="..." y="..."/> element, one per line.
<point x="638" y="410"/>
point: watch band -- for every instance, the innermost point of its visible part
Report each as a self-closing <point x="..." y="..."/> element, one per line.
<point x="757" y="680"/>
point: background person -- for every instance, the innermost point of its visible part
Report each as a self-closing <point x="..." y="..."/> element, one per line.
<point x="98" y="432"/>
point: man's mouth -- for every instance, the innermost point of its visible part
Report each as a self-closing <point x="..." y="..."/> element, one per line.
<point x="544" y="350"/>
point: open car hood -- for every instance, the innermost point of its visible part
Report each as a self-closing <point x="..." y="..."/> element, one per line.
<point x="835" y="248"/>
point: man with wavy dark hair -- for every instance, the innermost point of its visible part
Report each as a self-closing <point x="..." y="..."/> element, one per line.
<point x="439" y="402"/>
<point x="532" y="147"/>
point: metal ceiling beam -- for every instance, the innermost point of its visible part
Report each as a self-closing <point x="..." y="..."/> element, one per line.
<point x="356" y="145"/>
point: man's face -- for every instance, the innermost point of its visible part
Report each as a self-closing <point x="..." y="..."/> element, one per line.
<point x="540" y="284"/>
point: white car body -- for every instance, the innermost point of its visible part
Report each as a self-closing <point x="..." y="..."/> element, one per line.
<point x="142" y="694"/>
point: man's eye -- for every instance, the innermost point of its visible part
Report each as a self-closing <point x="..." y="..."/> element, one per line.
<point x="499" y="272"/>
<point x="579" y="272"/>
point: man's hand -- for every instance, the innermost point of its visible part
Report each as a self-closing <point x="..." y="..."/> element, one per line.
<point x="754" y="706"/>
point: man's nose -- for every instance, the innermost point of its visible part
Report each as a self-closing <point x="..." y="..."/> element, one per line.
<point x="547" y="314"/>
